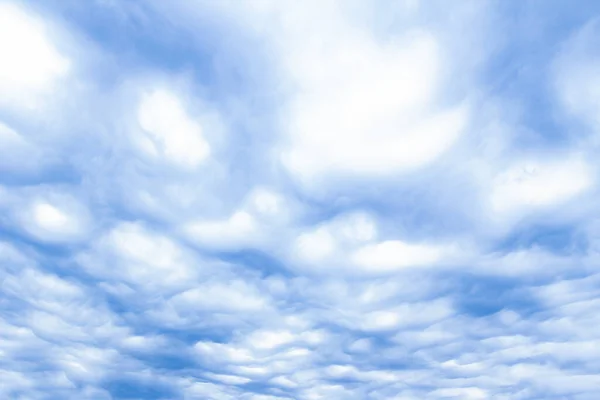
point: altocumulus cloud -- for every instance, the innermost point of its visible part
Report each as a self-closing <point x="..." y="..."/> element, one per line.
<point x="299" y="200"/>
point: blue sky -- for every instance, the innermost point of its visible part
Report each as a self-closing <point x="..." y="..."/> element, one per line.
<point x="299" y="200"/>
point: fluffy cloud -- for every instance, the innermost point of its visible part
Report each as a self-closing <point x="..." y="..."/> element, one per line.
<point x="315" y="200"/>
<point x="169" y="131"/>
<point x="540" y="184"/>
<point x="32" y="64"/>
<point x="358" y="105"/>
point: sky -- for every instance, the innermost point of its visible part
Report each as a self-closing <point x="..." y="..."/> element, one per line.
<point x="269" y="200"/>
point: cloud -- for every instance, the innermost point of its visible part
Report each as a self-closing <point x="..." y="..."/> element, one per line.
<point x="139" y="257"/>
<point x="31" y="63"/>
<point x="359" y="106"/>
<point x="394" y="254"/>
<point x="255" y="224"/>
<point x="170" y="133"/>
<point x="19" y="156"/>
<point x="52" y="215"/>
<point x="211" y="200"/>
<point x="540" y="184"/>
<point x="350" y="243"/>
<point x="575" y="79"/>
<point x="383" y="90"/>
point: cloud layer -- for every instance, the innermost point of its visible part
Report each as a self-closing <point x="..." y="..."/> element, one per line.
<point x="299" y="200"/>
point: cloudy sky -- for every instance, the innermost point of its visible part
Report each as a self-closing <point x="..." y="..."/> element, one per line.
<point x="277" y="199"/>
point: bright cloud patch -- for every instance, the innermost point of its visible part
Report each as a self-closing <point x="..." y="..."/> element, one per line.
<point x="54" y="217"/>
<point x="169" y="131"/>
<point x="256" y="223"/>
<point x="327" y="244"/>
<point x="540" y="184"/>
<point x="30" y="62"/>
<point x="394" y="254"/>
<point x="299" y="200"/>
<point x="361" y="106"/>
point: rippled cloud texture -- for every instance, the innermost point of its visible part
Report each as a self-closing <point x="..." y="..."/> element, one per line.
<point x="299" y="200"/>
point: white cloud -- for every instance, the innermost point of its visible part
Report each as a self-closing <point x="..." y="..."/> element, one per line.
<point x="201" y="390"/>
<point x="471" y="393"/>
<point x="372" y="154"/>
<point x="17" y="154"/>
<point x="149" y="344"/>
<point x="361" y="346"/>
<point x="363" y="96"/>
<point x="536" y="184"/>
<point x="576" y="78"/>
<point x="381" y="321"/>
<point x="269" y="205"/>
<point x="218" y="350"/>
<point x="394" y="254"/>
<point x="49" y="217"/>
<point x="356" y="103"/>
<point x="228" y="296"/>
<point x="316" y="246"/>
<point x="270" y="339"/>
<point x="43" y="290"/>
<point x="61" y="310"/>
<point x="133" y="254"/>
<point x="359" y="105"/>
<point x="328" y="241"/>
<point x="169" y="131"/>
<point x="533" y="261"/>
<point x="257" y="223"/>
<point x="406" y="315"/>
<point x="229" y="379"/>
<point x="239" y="230"/>
<point x="55" y="217"/>
<point x="284" y="382"/>
<point x="31" y="65"/>
<point x="349" y="243"/>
